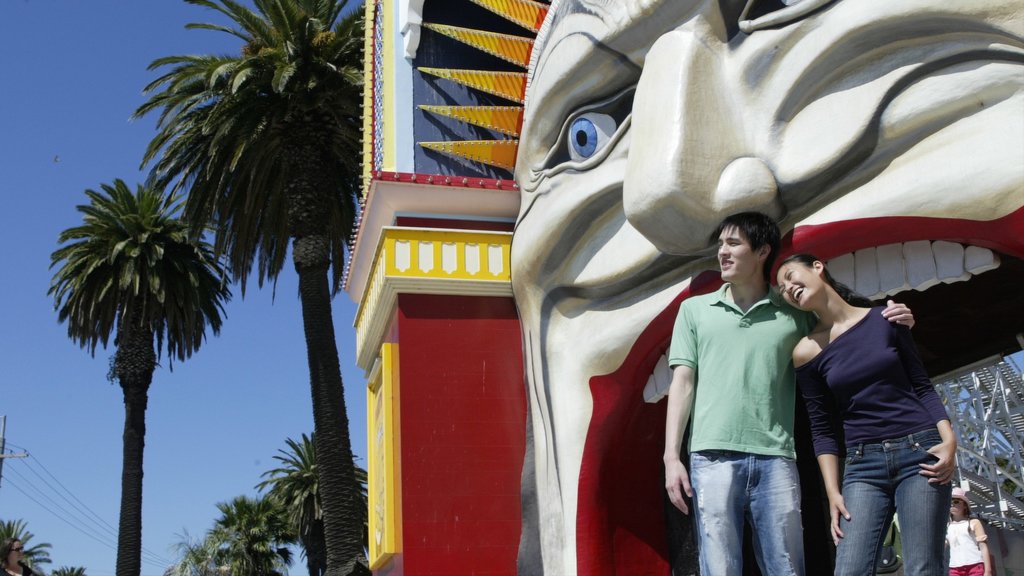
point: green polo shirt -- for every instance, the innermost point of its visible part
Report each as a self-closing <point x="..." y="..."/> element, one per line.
<point x="745" y="389"/>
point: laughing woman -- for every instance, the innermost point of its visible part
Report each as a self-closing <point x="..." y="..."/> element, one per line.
<point x="863" y="372"/>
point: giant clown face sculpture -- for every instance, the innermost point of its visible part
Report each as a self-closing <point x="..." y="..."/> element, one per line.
<point x="857" y="124"/>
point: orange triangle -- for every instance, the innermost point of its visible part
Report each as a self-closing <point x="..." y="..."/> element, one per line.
<point x="504" y="119"/>
<point x="500" y="153"/>
<point x="526" y="13"/>
<point x="508" y="85"/>
<point x="514" y="49"/>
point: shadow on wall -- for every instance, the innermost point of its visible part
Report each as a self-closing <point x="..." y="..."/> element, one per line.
<point x="1007" y="548"/>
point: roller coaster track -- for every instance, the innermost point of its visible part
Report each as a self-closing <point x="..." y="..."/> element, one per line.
<point x="985" y="401"/>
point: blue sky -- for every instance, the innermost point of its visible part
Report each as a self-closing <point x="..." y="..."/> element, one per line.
<point x="73" y="72"/>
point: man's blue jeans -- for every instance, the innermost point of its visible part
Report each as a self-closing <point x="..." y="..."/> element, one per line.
<point x="884" y="478"/>
<point x="730" y="487"/>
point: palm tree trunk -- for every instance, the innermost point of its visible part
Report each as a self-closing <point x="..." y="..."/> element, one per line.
<point x="313" y="544"/>
<point x="339" y="493"/>
<point x="134" y="363"/>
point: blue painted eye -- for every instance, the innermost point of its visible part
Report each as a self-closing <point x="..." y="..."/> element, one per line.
<point x="589" y="133"/>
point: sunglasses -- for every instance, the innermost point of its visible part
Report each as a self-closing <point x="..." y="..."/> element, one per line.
<point x="17" y="549"/>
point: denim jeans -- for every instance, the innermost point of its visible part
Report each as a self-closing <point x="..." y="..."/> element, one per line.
<point x="730" y="487"/>
<point x="884" y="478"/>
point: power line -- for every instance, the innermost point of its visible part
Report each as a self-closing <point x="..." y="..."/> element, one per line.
<point x="85" y="515"/>
<point x="99" y="522"/>
<point x="66" y="521"/>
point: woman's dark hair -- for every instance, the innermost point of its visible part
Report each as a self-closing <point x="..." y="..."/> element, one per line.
<point x="845" y="292"/>
<point x="5" y="550"/>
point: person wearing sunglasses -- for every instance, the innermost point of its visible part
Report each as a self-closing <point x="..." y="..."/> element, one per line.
<point x="11" y="554"/>
<point x="966" y="539"/>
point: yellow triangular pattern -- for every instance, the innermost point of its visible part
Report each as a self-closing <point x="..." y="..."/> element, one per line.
<point x="508" y="85"/>
<point x="504" y="119"/>
<point x="500" y="153"/>
<point x="526" y="13"/>
<point x="514" y="49"/>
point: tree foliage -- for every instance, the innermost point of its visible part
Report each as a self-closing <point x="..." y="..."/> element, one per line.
<point x="69" y="571"/>
<point x="132" y="263"/>
<point x="34" y="555"/>
<point x="135" y="269"/>
<point x="295" y="486"/>
<point x="266" y="143"/>
<point x="241" y="132"/>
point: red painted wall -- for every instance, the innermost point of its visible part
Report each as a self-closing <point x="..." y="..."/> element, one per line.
<point x="463" y="414"/>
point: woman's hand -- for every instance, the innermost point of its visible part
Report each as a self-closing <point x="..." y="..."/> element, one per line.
<point x="941" y="471"/>
<point x="836" y="507"/>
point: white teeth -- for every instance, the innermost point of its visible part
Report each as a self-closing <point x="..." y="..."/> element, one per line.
<point x="866" y="277"/>
<point x="892" y="276"/>
<point x="949" y="261"/>
<point x="843" y="268"/>
<point x="919" y="265"/>
<point x="658" y="382"/>
<point x="978" y="260"/>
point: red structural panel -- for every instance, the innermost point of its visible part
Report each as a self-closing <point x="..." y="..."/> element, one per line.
<point x="463" y="418"/>
<point x="446" y="180"/>
<point x="621" y="525"/>
<point x="454" y="224"/>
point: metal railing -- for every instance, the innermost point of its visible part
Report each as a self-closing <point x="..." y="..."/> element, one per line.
<point x="985" y="401"/>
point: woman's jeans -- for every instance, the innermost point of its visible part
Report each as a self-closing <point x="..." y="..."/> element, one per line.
<point x="731" y="487"/>
<point x="884" y="478"/>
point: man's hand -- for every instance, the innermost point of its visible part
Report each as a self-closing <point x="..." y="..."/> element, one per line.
<point x="898" y="313"/>
<point x="677" y="482"/>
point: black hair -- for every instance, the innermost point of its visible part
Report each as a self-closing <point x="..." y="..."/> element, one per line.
<point x="760" y="230"/>
<point x="845" y="292"/>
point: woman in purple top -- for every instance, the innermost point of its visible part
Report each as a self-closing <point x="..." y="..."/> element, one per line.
<point x="861" y="371"/>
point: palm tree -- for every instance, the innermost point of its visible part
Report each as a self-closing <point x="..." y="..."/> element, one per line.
<point x="294" y="485"/>
<point x="267" y="144"/>
<point x="196" y="558"/>
<point x="69" y="571"/>
<point x="34" y="554"/>
<point x="134" y="267"/>
<point x="252" y="537"/>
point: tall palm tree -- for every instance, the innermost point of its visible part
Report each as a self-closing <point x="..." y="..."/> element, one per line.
<point x="266" y="142"/>
<point x="135" y="268"/>
<point x="294" y="484"/>
<point x="252" y="537"/>
<point x="34" y="554"/>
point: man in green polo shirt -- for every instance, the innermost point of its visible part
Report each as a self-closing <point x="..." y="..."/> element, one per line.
<point x="731" y="356"/>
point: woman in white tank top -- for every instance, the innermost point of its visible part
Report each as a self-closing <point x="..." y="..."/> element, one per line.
<point x="966" y="539"/>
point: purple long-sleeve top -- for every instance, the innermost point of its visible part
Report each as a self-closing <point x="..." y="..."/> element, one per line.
<point x="871" y="379"/>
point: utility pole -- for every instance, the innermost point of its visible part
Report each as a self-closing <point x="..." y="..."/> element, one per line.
<point x="3" y="449"/>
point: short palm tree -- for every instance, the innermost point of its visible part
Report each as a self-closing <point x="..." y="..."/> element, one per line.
<point x="266" y="142"/>
<point x="295" y="486"/>
<point x="34" y="554"/>
<point x="134" y="268"/>
<point x="195" y="558"/>
<point x="252" y="537"/>
<point x="69" y="571"/>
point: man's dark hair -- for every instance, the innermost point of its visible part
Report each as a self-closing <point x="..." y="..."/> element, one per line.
<point x="760" y="230"/>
